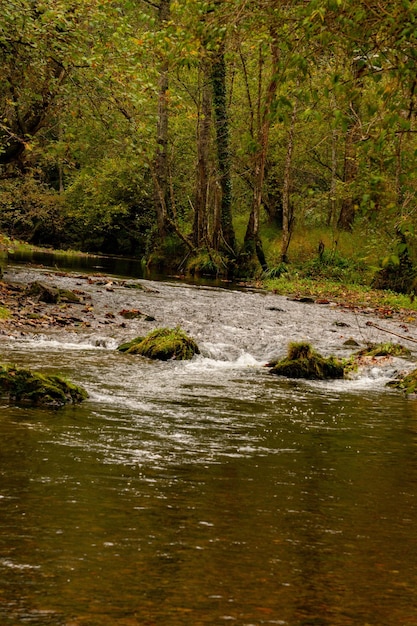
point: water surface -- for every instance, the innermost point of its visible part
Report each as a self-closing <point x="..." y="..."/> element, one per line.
<point x="207" y="492"/>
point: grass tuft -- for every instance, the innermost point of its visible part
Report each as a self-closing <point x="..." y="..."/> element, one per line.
<point x="303" y="362"/>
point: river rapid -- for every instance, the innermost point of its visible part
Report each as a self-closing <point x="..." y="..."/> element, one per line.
<point x="208" y="491"/>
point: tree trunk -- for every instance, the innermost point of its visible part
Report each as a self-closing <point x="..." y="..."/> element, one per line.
<point x="161" y="178"/>
<point x="350" y="170"/>
<point x="200" y="226"/>
<point x="331" y="216"/>
<point x="264" y="125"/>
<point x="16" y="133"/>
<point x="218" y="76"/>
<point x="287" y="214"/>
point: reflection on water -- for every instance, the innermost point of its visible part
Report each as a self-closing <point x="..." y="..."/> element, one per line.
<point x="240" y="500"/>
<point x="121" y="266"/>
<point x="205" y="493"/>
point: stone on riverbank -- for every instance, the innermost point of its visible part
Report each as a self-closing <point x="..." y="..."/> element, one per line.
<point x="303" y="362"/>
<point x="26" y="387"/>
<point x="163" y="344"/>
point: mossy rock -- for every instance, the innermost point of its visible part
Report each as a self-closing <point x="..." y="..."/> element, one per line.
<point x="51" y="295"/>
<point x="408" y="383"/>
<point x="384" y="349"/>
<point x="303" y="362"/>
<point x="125" y="347"/>
<point x="26" y="387"/>
<point x="163" y="344"/>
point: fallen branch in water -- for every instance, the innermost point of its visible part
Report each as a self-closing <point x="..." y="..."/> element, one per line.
<point x="385" y="330"/>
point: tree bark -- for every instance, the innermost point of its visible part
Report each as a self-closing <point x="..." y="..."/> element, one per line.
<point x="259" y="161"/>
<point x="287" y="214"/>
<point x="200" y="225"/>
<point x="226" y="238"/>
<point x="16" y="133"/>
<point x="161" y="187"/>
<point x="350" y="169"/>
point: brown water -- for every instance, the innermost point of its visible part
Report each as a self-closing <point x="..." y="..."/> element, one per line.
<point x="206" y="492"/>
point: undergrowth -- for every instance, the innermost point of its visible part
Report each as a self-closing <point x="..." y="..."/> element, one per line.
<point x="358" y="295"/>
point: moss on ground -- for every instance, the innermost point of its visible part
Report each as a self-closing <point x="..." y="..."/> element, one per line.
<point x="303" y="362"/>
<point x="163" y="344"/>
<point x="26" y="387"/>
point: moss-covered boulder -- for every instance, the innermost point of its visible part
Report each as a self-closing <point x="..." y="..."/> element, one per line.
<point x="384" y="349"/>
<point x="163" y="344"/>
<point x="26" y="387"/>
<point x="303" y="362"/>
<point x="407" y="383"/>
<point x="125" y="347"/>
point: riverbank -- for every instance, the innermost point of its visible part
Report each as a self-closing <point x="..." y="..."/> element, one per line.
<point x="106" y="306"/>
<point x="20" y="310"/>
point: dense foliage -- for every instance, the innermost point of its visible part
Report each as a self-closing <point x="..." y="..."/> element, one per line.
<point x="212" y="133"/>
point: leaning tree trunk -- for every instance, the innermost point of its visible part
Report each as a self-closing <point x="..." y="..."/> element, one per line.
<point x="264" y="124"/>
<point x="226" y="238"/>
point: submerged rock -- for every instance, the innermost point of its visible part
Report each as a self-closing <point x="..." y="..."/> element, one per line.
<point x="131" y="314"/>
<point x="350" y="342"/>
<point x="163" y="344"/>
<point x="51" y="295"/>
<point x="303" y="362"/>
<point x="26" y="387"/>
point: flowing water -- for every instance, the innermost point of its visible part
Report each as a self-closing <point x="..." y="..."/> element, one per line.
<point x="207" y="492"/>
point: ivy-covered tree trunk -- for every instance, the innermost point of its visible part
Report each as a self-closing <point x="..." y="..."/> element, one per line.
<point x="161" y="170"/>
<point x="200" y="225"/>
<point x="226" y="238"/>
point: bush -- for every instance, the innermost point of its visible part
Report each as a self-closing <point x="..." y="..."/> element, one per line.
<point x="333" y="266"/>
<point x="207" y="263"/>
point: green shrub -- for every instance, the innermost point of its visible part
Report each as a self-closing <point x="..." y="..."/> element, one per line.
<point x="332" y="266"/>
<point x="206" y="263"/>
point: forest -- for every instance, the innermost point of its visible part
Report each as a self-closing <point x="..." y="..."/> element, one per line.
<point x="233" y="138"/>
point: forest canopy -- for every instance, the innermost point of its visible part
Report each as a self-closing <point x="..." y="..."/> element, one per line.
<point x="209" y="134"/>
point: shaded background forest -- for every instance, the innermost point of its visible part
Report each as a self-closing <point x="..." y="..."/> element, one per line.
<point x="232" y="136"/>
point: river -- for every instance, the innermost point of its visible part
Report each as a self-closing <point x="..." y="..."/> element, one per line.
<point x="207" y="492"/>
